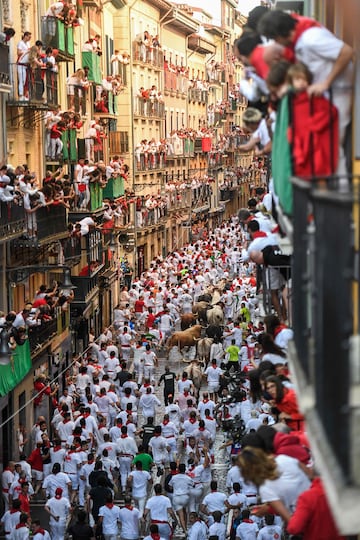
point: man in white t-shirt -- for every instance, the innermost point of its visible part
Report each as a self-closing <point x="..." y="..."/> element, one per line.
<point x="109" y="517"/>
<point x="248" y="529"/>
<point x="159" y="508"/>
<point x="139" y="481"/>
<point x="59" y="508"/>
<point x="215" y="500"/>
<point x="129" y="518"/>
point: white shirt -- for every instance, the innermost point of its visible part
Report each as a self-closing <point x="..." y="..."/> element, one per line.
<point x="148" y="403"/>
<point x="59" y="507"/>
<point x="215" y="501"/>
<point x="319" y="49"/>
<point x="247" y="531"/>
<point x="110" y="519"/>
<point x="158" y="506"/>
<point x="269" y="532"/>
<point x="127" y="445"/>
<point x="140" y="481"/>
<point x="213" y="375"/>
<point x="129" y="523"/>
<point x="158" y="449"/>
<point x="290" y="484"/>
<point x="181" y="484"/>
<point x="198" y="531"/>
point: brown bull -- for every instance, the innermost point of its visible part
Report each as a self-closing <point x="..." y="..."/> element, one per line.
<point x="186" y="338"/>
<point x="195" y="374"/>
<point x="187" y="320"/>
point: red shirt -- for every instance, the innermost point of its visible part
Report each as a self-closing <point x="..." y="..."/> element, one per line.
<point x="139" y="306"/>
<point x="35" y="460"/>
<point x="289" y="405"/>
<point x="312" y="517"/>
<point x="25" y="503"/>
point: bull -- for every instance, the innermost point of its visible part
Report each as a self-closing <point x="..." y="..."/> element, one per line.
<point x="203" y="349"/>
<point x="215" y="316"/>
<point x="195" y="374"/>
<point x="214" y="331"/>
<point x="187" y="320"/>
<point x="185" y="338"/>
<point x="200" y="309"/>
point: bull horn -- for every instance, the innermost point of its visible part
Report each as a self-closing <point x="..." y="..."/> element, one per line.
<point x="196" y="338"/>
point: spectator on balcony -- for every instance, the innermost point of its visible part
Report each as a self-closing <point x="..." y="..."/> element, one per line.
<point x="23" y="48"/>
<point x="115" y="61"/>
<point x="6" y="35"/>
<point x="93" y="45"/>
<point x="261" y="136"/>
<point x="55" y="140"/>
<point x="76" y="84"/>
<point x="6" y="191"/>
<point x="90" y="137"/>
<point x="156" y="42"/>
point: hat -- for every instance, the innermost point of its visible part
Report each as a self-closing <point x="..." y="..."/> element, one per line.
<point x="4" y="179"/>
<point x="58" y="493"/>
<point x="252" y="115"/>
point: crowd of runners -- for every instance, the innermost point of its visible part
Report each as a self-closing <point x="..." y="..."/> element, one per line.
<point x="139" y="433"/>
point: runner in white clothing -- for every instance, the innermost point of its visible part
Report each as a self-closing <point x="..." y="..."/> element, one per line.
<point x="59" y="508"/>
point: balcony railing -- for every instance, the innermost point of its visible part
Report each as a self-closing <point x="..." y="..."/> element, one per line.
<point x="107" y="106"/>
<point x="201" y="96"/>
<point x="86" y="287"/>
<point x="217" y="77"/>
<point x="120" y="69"/>
<point x="215" y="160"/>
<point x="77" y="102"/>
<point x="174" y="82"/>
<point x="36" y="88"/>
<point x="12" y="221"/>
<point x="148" y="55"/>
<point x="148" y="217"/>
<point x="93" y="62"/>
<point x="114" y="188"/>
<point x="71" y="249"/>
<point x="40" y="335"/>
<point x="324" y="356"/>
<point x="51" y="222"/>
<point x="150" y="161"/>
<point x="55" y="34"/>
<point x="149" y="108"/>
<point x="179" y="147"/>
<point x="4" y="65"/>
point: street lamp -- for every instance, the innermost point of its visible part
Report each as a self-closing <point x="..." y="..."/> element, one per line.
<point x="67" y="285"/>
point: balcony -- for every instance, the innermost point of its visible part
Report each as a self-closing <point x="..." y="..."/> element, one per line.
<point x="180" y="147"/>
<point x="40" y="336"/>
<point x="175" y="83"/>
<point x="219" y="117"/>
<point x="216" y="77"/>
<point x="215" y="160"/>
<point x="324" y="356"/>
<point x="33" y="88"/>
<point x="10" y="377"/>
<point x="93" y="62"/>
<point x="12" y="221"/>
<point x="148" y="55"/>
<point x="150" y="162"/>
<point x="77" y="102"/>
<point x="201" y="45"/>
<point x="71" y="250"/>
<point x="4" y="69"/>
<point x="106" y="107"/>
<point x="120" y="69"/>
<point x="50" y="225"/>
<point x="199" y="96"/>
<point x="87" y="287"/>
<point x="149" y="108"/>
<point x="55" y="34"/>
<point x="202" y="144"/>
<point x="69" y="151"/>
<point x="114" y="188"/>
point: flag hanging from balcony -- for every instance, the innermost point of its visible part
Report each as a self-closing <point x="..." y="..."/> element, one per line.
<point x="13" y="373"/>
<point x="281" y="157"/>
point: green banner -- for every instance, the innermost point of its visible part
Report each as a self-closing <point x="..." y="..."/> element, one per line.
<point x="281" y="157"/>
<point x="19" y="366"/>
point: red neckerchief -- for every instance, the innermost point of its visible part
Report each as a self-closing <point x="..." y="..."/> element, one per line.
<point x="209" y="418"/>
<point x="146" y="385"/>
<point x="109" y="505"/>
<point x="205" y="400"/>
<point x="123" y="436"/>
<point x="173" y="473"/>
<point x="201" y="429"/>
<point x="14" y="510"/>
<point x="303" y="24"/>
<point x="57" y="448"/>
<point x="259" y="234"/>
<point x="129" y="507"/>
<point x="165" y="422"/>
<point x="183" y="380"/>
<point x="279" y="328"/>
<point x="192" y="420"/>
<point x="248" y="521"/>
<point x="228" y="415"/>
<point x="19" y="525"/>
<point x="65" y="421"/>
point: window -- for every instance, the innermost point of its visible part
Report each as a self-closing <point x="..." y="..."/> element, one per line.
<point x="119" y="142"/>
